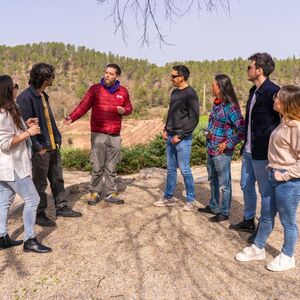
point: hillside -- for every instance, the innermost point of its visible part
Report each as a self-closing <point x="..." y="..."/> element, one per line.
<point x="133" y="132"/>
<point x="149" y="85"/>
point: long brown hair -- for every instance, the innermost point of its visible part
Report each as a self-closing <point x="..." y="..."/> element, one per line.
<point x="289" y="95"/>
<point x="7" y="100"/>
<point x="227" y="90"/>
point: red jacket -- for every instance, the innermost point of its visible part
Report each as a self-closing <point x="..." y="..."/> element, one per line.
<point x="105" y="117"/>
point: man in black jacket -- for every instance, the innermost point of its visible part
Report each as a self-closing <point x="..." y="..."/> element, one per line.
<point x="46" y="161"/>
<point x="183" y="117"/>
<point x="260" y="121"/>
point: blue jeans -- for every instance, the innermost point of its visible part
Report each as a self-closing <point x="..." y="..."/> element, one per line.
<point x="219" y="175"/>
<point x="255" y="171"/>
<point x="285" y="197"/>
<point x="26" y="190"/>
<point x="179" y="156"/>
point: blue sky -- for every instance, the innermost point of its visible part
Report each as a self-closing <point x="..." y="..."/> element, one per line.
<point x="256" y="25"/>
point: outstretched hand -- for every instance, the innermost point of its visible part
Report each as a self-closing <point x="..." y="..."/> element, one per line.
<point x="67" y="121"/>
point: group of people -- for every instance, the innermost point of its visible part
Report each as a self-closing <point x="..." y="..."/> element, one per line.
<point x="270" y="134"/>
<point x="30" y="149"/>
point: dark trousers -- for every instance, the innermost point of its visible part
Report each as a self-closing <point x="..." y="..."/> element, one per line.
<point x="48" y="166"/>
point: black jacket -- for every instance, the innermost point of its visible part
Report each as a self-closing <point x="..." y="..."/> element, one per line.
<point x="264" y="119"/>
<point x="31" y="106"/>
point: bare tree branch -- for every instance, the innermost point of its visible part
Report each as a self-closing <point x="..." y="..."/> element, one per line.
<point x="147" y="15"/>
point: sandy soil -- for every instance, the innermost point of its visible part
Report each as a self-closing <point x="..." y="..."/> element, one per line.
<point x="137" y="251"/>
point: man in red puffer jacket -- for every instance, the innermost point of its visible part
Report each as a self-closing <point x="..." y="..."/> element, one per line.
<point x="109" y="102"/>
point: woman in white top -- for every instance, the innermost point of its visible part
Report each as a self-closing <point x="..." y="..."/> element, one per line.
<point x="284" y="177"/>
<point x="15" y="168"/>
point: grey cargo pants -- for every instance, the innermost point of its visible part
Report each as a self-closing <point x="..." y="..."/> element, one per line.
<point x="105" y="154"/>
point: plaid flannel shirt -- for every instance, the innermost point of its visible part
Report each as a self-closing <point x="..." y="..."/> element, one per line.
<point x="226" y="124"/>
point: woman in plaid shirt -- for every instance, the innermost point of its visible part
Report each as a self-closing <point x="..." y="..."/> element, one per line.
<point x="225" y="130"/>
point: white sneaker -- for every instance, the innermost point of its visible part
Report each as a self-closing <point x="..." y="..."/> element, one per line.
<point x="251" y="253"/>
<point x="164" y="202"/>
<point x="189" y="206"/>
<point x="281" y="262"/>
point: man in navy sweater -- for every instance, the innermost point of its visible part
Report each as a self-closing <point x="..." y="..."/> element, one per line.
<point x="260" y="121"/>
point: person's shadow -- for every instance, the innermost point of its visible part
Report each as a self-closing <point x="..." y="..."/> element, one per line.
<point x="73" y="193"/>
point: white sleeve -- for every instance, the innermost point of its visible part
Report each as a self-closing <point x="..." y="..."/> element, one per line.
<point x="7" y="131"/>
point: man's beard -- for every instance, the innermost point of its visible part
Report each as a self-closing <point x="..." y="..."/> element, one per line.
<point x="109" y="83"/>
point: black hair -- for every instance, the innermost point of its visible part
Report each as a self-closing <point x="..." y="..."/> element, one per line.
<point x="40" y="73"/>
<point x="116" y="67"/>
<point x="7" y="101"/>
<point x="264" y="61"/>
<point x="227" y="90"/>
<point x="182" y="70"/>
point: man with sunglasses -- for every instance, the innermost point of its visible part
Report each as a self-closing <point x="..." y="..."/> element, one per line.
<point x="260" y="121"/>
<point x="183" y="117"/>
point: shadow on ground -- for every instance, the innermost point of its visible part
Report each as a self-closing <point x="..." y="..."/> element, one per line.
<point x="138" y="251"/>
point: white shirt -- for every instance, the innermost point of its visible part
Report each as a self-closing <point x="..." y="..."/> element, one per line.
<point x="13" y="158"/>
<point x="248" y="143"/>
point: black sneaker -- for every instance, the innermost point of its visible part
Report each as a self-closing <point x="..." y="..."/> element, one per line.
<point x="245" y="226"/>
<point x="219" y="217"/>
<point x="113" y="199"/>
<point x="43" y="220"/>
<point x="67" y="212"/>
<point x="206" y="210"/>
<point x="32" y="245"/>
<point x="7" y="242"/>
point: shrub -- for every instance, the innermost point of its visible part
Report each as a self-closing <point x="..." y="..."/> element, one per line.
<point x="76" y="159"/>
<point x="138" y="157"/>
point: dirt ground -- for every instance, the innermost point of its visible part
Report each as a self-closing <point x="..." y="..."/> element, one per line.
<point x="137" y="251"/>
<point x="133" y="132"/>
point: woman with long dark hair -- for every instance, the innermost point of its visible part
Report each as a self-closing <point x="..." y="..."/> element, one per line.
<point x="284" y="178"/>
<point x="15" y="168"/>
<point x="225" y="129"/>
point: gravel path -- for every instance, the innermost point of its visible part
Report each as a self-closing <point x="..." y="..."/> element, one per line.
<point x="137" y="251"/>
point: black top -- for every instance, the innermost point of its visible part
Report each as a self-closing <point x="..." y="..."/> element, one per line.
<point x="264" y="119"/>
<point x="31" y="106"/>
<point x="183" y="114"/>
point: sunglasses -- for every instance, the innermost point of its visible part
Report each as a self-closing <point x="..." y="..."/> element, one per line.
<point x="275" y="96"/>
<point x="16" y="86"/>
<point x="175" y="76"/>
